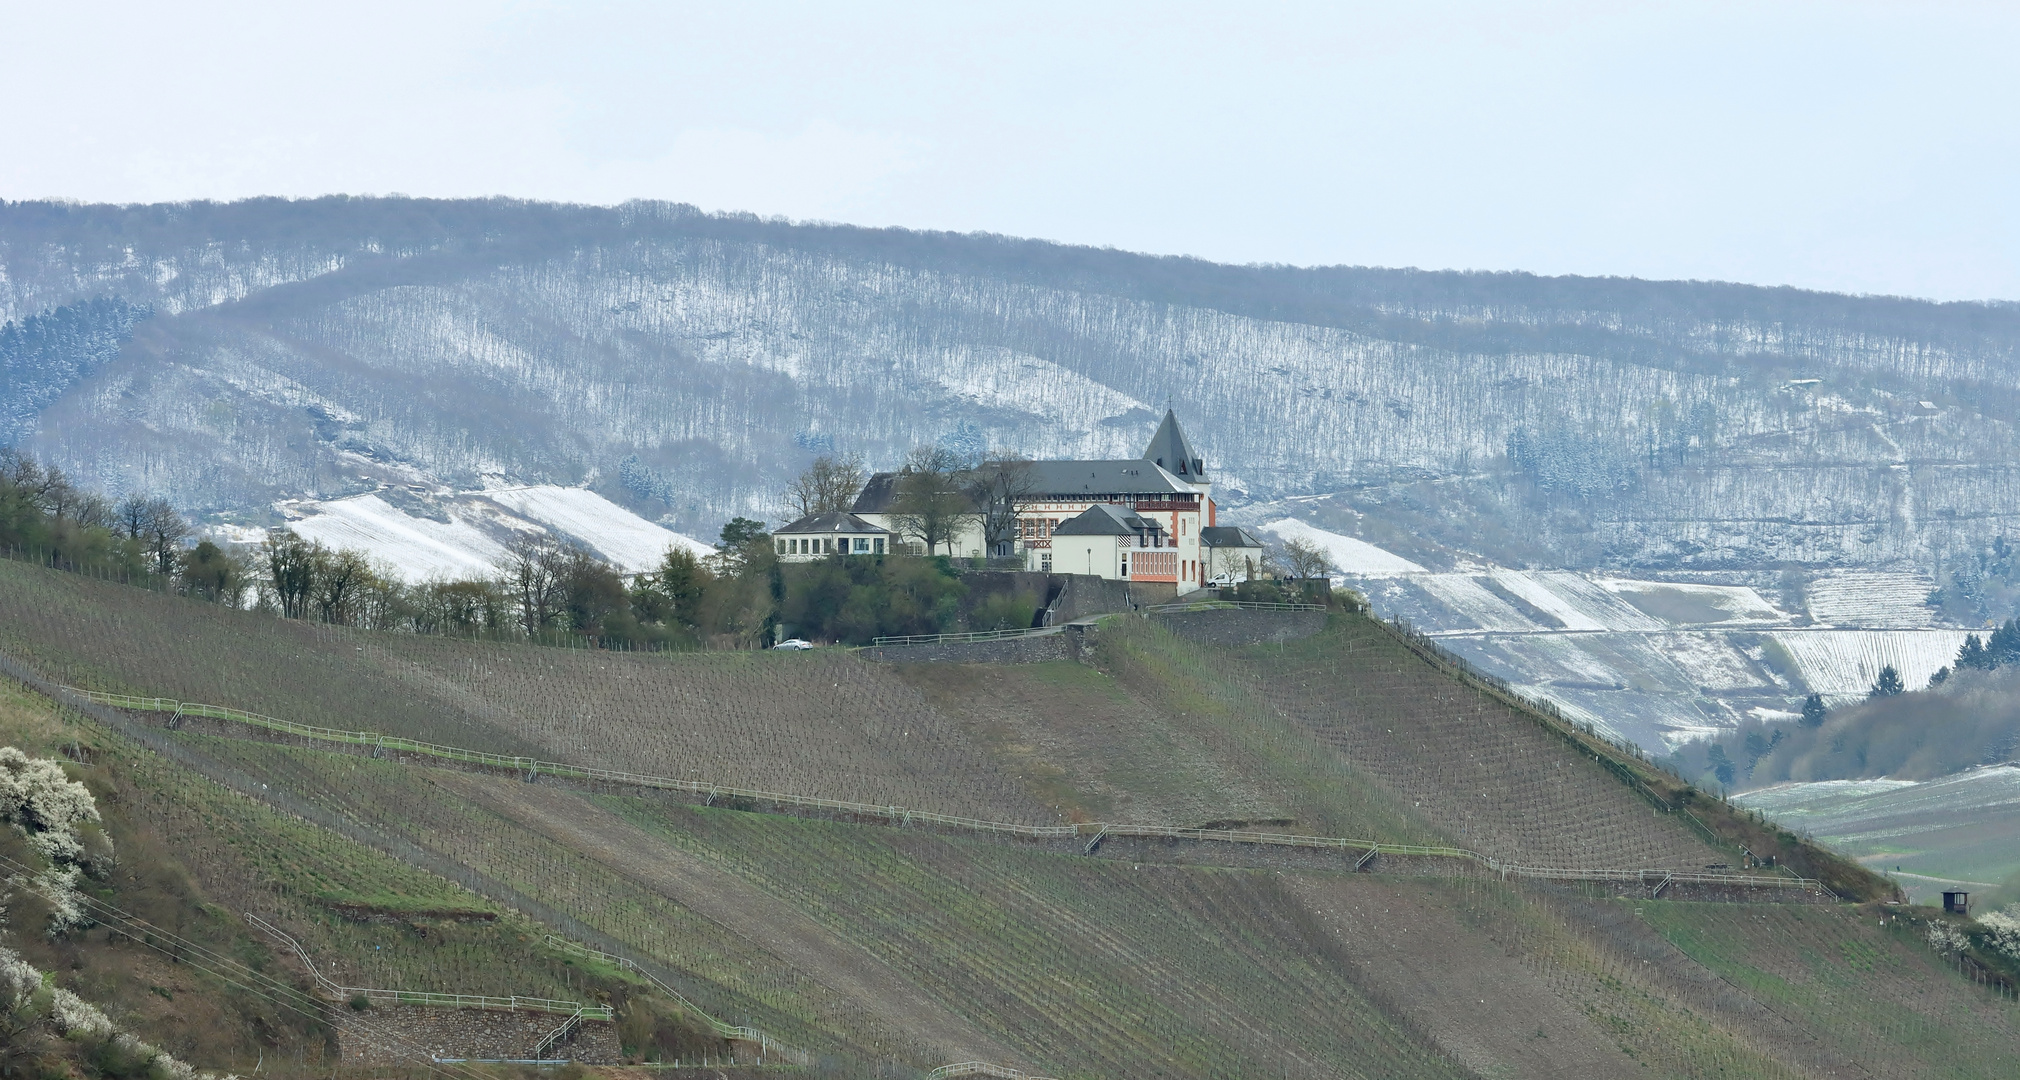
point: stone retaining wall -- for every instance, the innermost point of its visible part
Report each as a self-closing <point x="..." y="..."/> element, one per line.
<point x="426" y="1033"/>
<point x="1241" y="626"/>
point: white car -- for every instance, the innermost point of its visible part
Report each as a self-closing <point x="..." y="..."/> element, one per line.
<point x="795" y="644"/>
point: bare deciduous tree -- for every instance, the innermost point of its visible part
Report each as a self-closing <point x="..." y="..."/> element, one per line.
<point x="533" y="571"/>
<point x="931" y="503"/>
<point x="829" y="484"/>
<point x="1303" y="559"/>
<point x="291" y="571"/>
<point x="1002" y="487"/>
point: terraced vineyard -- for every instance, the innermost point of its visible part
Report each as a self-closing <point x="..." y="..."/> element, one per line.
<point x="1465" y="763"/>
<point x="884" y="949"/>
<point x="925" y="947"/>
<point x="195" y="858"/>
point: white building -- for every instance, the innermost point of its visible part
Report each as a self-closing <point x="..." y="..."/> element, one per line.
<point x="1140" y="520"/>
<point x="832" y="533"/>
<point x="1232" y="554"/>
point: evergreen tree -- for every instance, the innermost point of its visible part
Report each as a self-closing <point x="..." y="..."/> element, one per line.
<point x="1813" y="711"/>
<point x="1941" y="676"/>
<point x="2004" y="646"/>
<point x="1972" y="655"/>
<point x="1721" y="765"/>
<point x="1889" y="683"/>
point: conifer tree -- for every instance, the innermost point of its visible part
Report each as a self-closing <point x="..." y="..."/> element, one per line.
<point x="2004" y="646"/>
<point x="1888" y="684"/>
<point x="1813" y="711"/>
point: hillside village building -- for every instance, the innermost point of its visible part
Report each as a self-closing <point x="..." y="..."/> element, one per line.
<point x="1149" y="519"/>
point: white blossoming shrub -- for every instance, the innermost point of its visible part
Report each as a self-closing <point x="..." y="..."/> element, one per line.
<point x="1945" y="938"/>
<point x="18" y="980"/>
<point x="59" y="818"/>
<point x="39" y="800"/>
<point x="2003" y="929"/>
<point x="79" y="1021"/>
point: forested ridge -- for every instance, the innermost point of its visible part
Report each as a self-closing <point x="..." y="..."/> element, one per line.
<point x="687" y="363"/>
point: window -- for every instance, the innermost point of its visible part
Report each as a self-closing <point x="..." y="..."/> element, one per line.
<point x="1045" y="562"/>
<point x="1125" y="566"/>
<point x="862" y="543"/>
<point x="782" y="547"/>
<point x="879" y="542"/>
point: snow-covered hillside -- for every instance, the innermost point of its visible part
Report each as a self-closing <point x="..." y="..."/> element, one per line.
<point x="1656" y="662"/>
<point x="687" y="365"/>
<point x="464" y="534"/>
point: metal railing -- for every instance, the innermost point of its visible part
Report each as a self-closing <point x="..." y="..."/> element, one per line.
<point x="981" y="1068"/>
<point x="899" y="815"/>
<point x="575" y="1010"/>
<point x="1211" y="604"/>
<point x="956" y="638"/>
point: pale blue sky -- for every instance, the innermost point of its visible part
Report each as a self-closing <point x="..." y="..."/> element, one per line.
<point x="1858" y="147"/>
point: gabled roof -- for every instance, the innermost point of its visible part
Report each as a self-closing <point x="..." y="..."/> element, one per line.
<point x="1229" y="536"/>
<point x="878" y="494"/>
<point x="1069" y="479"/>
<point x="1138" y="477"/>
<point x="833" y="521"/>
<point x="1102" y="519"/>
<point x="1169" y="449"/>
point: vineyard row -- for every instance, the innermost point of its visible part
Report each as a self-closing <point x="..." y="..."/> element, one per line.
<point x="380" y="744"/>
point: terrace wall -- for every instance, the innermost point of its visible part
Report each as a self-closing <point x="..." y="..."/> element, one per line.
<point x="1230" y="627"/>
<point x="463" y="1033"/>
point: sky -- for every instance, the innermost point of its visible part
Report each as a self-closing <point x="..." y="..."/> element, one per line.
<point x="1870" y="148"/>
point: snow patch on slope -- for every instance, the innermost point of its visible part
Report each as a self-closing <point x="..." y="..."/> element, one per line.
<point x="628" y="541"/>
<point x="1349" y="556"/>
<point x="416" y="548"/>
<point x="479" y="524"/>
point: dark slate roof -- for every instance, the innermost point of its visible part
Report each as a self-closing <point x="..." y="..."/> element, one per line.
<point x="1101" y="478"/>
<point x="1102" y="519"/>
<point x="1169" y="449"/>
<point x="1229" y="536"/>
<point x="878" y="494"/>
<point x="1069" y="479"/>
<point x="834" y="521"/>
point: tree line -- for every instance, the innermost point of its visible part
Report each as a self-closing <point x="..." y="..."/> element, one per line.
<point x="544" y="589"/>
<point x="1967" y="715"/>
<point x="742" y="595"/>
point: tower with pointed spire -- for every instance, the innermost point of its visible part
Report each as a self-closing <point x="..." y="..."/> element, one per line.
<point x="1149" y="520"/>
<point x="1172" y="453"/>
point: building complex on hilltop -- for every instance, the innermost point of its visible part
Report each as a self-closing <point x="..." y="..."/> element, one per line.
<point x="1149" y="519"/>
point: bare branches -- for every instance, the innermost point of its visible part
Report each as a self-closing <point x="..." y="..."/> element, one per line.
<point x="1002" y="487"/>
<point x="829" y="484"/>
<point x="932" y="504"/>
<point x="1303" y="559"/>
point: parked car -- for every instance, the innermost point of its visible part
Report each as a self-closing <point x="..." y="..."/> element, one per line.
<point x="794" y="643"/>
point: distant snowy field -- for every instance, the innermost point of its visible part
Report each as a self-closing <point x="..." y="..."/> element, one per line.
<point x="630" y="542"/>
<point x="1657" y="662"/>
<point x="418" y="548"/>
<point x="1349" y="556"/>
<point x="1846" y="663"/>
<point x="479" y="525"/>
